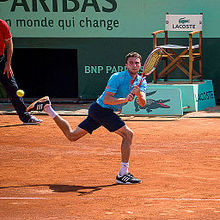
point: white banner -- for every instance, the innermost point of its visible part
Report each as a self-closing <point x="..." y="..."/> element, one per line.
<point x="183" y="22"/>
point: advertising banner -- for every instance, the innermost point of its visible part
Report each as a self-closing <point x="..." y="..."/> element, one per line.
<point x="183" y="22"/>
<point x="160" y="101"/>
<point x="102" y="18"/>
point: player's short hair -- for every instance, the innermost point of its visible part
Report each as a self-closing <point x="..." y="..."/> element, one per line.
<point x="132" y="54"/>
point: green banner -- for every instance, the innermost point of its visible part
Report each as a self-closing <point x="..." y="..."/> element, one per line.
<point x="101" y="18"/>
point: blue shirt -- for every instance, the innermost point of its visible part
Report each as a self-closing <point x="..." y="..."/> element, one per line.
<point x="121" y="84"/>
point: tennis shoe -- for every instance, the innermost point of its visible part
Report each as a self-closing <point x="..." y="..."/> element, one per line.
<point x="127" y="178"/>
<point x="33" y="121"/>
<point x="39" y="105"/>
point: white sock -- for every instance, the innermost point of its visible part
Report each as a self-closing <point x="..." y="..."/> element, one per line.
<point x="50" y="111"/>
<point x="124" y="168"/>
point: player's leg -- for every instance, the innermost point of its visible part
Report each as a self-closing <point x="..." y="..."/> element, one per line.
<point x="127" y="134"/>
<point x="124" y="177"/>
<point x="85" y="127"/>
<point x="112" y="122"/>
<point x="72" y="135"/>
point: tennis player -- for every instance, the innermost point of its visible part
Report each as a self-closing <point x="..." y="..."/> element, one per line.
<point x="120" y="89"/>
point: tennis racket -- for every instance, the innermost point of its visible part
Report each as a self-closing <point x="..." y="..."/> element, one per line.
<point x="151" y="63"/>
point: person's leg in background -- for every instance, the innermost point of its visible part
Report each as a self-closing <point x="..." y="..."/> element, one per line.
<point x="11" y="87"/>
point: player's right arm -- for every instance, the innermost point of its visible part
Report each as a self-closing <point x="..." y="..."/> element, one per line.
<point x="140" y="94"/>
<point x="9" y="44"/>
<point x="8" y="69"/>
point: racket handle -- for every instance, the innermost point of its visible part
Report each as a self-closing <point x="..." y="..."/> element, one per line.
<point x="133" y="95"/>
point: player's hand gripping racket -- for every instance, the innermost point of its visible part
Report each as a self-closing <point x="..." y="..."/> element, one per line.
<point x="151" y="64"/>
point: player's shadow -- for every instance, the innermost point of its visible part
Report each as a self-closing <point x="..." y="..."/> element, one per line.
<point x="15" y="125"/>
<point x="82" y="190"/>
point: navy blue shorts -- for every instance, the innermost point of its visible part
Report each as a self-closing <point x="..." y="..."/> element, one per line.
<point x="99" y="116"/>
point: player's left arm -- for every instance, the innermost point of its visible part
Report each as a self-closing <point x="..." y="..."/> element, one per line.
<point x="140" y="95"/>
<point x="8" y="69"/>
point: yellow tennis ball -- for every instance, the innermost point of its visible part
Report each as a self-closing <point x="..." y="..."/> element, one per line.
<point x="20" y="93"/>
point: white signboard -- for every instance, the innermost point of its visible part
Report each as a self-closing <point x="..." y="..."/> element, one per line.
<point x="183" y="22"/>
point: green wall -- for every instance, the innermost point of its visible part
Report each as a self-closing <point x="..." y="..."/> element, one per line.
<point x="101" y="47"/>
<point x="108" y="54"/>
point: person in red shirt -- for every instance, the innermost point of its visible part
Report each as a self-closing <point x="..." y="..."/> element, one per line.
<point x="7" y="78"/>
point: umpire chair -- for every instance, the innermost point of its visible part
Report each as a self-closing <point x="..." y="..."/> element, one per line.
<point x="180" y="56"/>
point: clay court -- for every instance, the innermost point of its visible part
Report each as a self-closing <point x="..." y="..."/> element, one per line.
<point x="44" y="176"/>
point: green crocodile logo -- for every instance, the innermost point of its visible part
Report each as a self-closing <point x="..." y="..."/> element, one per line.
<point x="184" y="20"/>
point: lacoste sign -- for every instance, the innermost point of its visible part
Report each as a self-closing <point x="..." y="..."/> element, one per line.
<point x="183" y="22"/>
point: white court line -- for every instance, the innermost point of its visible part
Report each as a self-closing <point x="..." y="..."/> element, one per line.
<point x="183" y="199"/>
<point x="22" y="198"/>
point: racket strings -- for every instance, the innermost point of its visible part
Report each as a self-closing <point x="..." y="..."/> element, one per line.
<point x="152" y="62"/>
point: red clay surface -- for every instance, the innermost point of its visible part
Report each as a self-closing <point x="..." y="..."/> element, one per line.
<point x="44" y="176"/>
